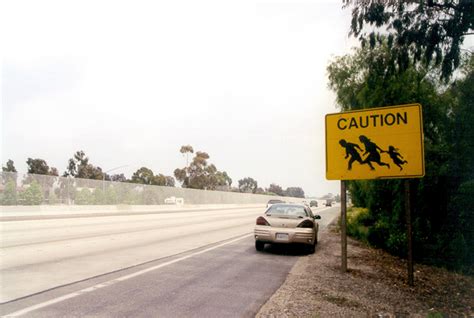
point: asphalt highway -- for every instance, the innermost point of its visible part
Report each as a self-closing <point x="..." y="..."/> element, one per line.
<point x="167" y="265"/>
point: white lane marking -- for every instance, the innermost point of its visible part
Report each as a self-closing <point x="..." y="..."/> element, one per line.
<point x="117" y="280"/>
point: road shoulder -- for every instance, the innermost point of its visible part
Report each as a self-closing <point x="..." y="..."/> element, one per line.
<point x="375" y="285"/>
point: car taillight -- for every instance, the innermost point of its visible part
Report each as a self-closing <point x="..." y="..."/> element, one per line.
<point x="306" y="224"/>
<point x="261" y="221"/>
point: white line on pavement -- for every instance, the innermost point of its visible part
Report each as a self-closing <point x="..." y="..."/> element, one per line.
<point x="117" y="280"/>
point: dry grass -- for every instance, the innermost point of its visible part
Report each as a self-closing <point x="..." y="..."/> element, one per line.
<point x="374" y="286"/>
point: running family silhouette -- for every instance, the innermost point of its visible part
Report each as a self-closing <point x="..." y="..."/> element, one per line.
<point x="372" y="153"/>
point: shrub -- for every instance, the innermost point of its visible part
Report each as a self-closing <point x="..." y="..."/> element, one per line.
<point x="9" y="196"/>
<point x="356" y="219"/>
<point x="111" y="196"/>
<point x="98" y="196"/>
<point x="33" y="195"/>
<point x="379" y="233"/>
<point x="83" y="197"/>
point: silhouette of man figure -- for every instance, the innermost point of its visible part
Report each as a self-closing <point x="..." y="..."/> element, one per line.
<point x="352" y="151"/>
<point x="373" y="152"/>
<point x="397" y="158"/>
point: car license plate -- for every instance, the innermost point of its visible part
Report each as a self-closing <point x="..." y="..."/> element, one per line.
<point x="282" y="236"/>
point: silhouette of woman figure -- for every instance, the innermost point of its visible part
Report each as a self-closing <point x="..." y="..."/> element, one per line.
<point x="397" y="158"/>
<point x="373" y="152"/>
<point x="352" y="151"/>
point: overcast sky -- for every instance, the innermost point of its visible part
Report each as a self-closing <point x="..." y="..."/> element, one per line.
<point x="129" y="82"/>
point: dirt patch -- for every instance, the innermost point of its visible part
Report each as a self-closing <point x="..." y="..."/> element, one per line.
<point x="374" y="286"/>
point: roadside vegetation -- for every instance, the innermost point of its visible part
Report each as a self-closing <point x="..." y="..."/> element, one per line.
<point x="357" y="225"/>
<point x="198" y="173"/>
<point x="373" y="286"/>
<point x="413" y="54"/>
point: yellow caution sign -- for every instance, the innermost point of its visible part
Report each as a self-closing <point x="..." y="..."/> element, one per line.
<point x="375" y="143"/>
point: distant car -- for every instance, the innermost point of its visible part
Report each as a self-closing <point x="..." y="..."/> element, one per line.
<point x="274" y="201"/>
<point x="174" y="200"/>
<point x="328" y="203"/>
<point x="287" y="223"/>
<point x="313" y="203"/>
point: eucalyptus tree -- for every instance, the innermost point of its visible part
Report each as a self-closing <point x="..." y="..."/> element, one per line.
<point x="276" y="189"/>
<point x="248" y="185"/>
<point x="143" y="175"/>
<point x="186" y="150"/>
<point x="421" y="31"/>
<point x="79" y="167"/>
<point x="295" y="192"/>
<point x="200" y="174"/>
<point x="39" y="166"/>
<point x="10" y="166"/>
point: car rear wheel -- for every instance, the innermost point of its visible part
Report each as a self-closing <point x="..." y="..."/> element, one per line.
<point x="259" y="246"/>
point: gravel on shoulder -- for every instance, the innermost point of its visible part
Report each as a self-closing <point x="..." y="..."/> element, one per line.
<point x="375" y="285"/>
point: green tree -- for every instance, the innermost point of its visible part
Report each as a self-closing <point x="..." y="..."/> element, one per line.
<point x="118" y="178"/>
<point x="110" y="195"/>
<point x="162" y="180"/>
<point x="146" y="176"/>
<point x="222" y="180"/>
<point x="460" y="132"/>
<point x="295" y="192"/>
<point x="170" y="181"/>
<point x="84" y="197"/>
<point x="185" y="151"/>
<point x="458" y="222"/>
<point x="361" y="80"/>
<point x="33" y="195"/>
<point x="9" y="196"/>
<point x="143" y="175"/>
<point x="248" y="185"/>
<point x="259" y="191"/>
<point x="199" y="174"/>
<point x="276" y="189"/>
<point x="79" y="167"/>
<point x="39" y="166"/>
<point x="419" y="31"/>
<point x="10" y="167"/>
<point x="131" y="196"/>
<point x="98" y="196"/>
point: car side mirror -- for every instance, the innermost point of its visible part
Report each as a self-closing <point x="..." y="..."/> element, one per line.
<point x="317" y="217"/>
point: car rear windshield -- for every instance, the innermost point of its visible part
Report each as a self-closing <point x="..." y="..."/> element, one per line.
<point x="287" y="210"/>
<point x="275" y="201"/>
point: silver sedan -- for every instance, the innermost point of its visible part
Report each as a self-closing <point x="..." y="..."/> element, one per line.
<point x="287" y="223"/>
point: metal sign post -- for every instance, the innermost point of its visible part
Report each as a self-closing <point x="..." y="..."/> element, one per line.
<point x="409" y="232"/>
<point x="343" y="227"/>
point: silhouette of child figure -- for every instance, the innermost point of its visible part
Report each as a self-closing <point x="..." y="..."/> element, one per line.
<point x="352" y="151"/>
<point x="397" y="158"/>
<point x="373" y="152"/>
